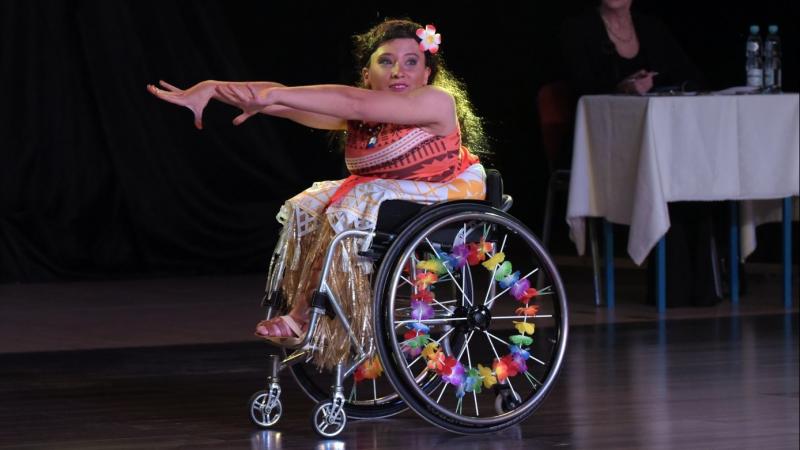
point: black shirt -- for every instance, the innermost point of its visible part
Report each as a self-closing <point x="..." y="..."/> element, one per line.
<point x="593" y="66"/>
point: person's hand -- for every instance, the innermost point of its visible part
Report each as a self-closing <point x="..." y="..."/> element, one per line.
<point x="246" y="97"/>
<point x="195" y="98"/>
<point x="639" y="83"/>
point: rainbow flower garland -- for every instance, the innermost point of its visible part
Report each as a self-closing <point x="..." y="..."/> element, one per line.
<point x="417" y="340"/>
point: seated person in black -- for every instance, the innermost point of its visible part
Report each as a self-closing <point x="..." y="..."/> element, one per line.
<point x="610" y="49"/>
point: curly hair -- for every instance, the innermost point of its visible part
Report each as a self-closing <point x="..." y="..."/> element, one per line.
<point x="366" y="43"/>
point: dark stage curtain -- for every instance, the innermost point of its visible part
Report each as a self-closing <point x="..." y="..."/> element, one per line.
<point x="99" y="179"/>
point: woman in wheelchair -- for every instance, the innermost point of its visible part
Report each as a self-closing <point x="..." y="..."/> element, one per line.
<point x="411" y="135"/>
<point x="406" y="124"/>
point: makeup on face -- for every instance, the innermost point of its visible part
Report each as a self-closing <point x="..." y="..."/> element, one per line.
<point x="397" y="65"/>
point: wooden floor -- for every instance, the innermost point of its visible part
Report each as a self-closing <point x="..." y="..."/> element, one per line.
<point x="157" y="364"/>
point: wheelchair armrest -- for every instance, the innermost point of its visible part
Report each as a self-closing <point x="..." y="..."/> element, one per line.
<point x="494" y="188"/>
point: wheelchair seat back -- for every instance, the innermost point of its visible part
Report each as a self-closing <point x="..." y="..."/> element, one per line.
<point x="393" y="214"/>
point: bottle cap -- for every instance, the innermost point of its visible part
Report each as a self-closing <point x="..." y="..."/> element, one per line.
<point x="773" y="29"/>
<point x="754" y="29"/>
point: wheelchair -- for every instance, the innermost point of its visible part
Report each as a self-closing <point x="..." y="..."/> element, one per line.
<point x="470" y="322"/>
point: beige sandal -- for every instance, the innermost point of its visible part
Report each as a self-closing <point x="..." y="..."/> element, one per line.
<point x="283" y="330"/>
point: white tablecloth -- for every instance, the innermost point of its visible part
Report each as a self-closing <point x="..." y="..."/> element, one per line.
<point x="633" y="155"/>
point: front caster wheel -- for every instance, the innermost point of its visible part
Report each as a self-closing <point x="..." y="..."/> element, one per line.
<point x="262" y="412"/>
<point x="506" y="401"/>
<point x="328" y="421"/>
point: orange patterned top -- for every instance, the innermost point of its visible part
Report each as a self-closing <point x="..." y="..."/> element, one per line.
<point x="405" y="152"/>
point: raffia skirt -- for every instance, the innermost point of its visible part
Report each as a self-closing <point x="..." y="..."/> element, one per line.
<point x="309" y="225"/>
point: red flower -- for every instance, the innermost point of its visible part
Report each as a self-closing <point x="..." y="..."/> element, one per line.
<point x="423" y="295"/>
<point x="411" y="334"/>
<point x="478" y="251"/>
<point x="449" y="363"/>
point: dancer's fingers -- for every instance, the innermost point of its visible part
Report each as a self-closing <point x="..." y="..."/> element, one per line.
<point x="169" y="86"/>
<point x="238" y="120"/>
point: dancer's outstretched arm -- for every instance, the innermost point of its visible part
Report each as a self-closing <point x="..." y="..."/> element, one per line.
<point x="197" y="97"/>
<point x="428" y="107"/>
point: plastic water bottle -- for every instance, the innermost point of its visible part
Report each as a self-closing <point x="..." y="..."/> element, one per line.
<point x="772" y="60"/>
<point x="753" y="67"/>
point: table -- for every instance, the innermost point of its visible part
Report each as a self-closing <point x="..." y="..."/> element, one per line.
<point x="632" y="155"/>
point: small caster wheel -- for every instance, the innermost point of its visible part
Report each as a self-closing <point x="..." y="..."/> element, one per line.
<point x="261" y="412"/>
<point x="325" y="422"/>
<point x="506" y="401"/>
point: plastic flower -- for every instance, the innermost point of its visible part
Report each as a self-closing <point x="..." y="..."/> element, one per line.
<point x="522" y="291"/>
<point x="420" y="327"/>
<point x="518" y="289"/>
<point x="414" y="342"/>
<point x="473" y="381"/>
<point x="421" y="341"/>
<point x="460" y="390"/>
<point x="421" y="310"/>
<point x="509" y="280"/>
<point x="368" y="370"/>
<point x="519" y="351"/>
<point x="478" y="251"/>
<point x="411" y="352"/>
<point x="519" y="363"/>
<point x="519" y="339"/>
<point x="411" y="334"/>
<point x="441" y="363"/>
<point x="524" y="327"/>
<point x="492" y="262"/>
<point x="435" y="265"/>
<point x="489" y="379"/>
<point x="527" y="311"/>
<point x="456" y="376"/>
<point x="458" y="257"/>
<point x="424" y="296"/>
<point x="501" y="369"/>
<point x="429" y="350"/>
<point x="425" y="279"/>
<point x="503" y="270"/>
<point x="505" y="367"/>
<point x="416" y="338"/>
<point x="430" y="39"/>
<point x="436" y="361"/>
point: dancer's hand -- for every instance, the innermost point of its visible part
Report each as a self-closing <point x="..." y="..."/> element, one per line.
<point x="246" y="97"/>
<point x="195" y="98"/>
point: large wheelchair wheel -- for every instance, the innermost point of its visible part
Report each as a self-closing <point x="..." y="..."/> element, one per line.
<point x="507" y="338"/>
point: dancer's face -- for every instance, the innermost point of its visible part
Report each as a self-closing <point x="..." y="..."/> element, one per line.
<point x="397" y="65"/>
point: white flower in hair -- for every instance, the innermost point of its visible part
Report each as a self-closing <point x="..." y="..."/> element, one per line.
<point x="430" y="39"/>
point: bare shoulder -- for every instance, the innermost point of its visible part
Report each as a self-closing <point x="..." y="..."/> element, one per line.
<point x="434" y="94"/>
<point x="440" y="106"/>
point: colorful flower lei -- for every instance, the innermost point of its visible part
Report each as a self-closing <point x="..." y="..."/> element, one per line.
<point x="418" y="342"/>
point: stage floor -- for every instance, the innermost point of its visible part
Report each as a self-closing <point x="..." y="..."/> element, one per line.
<point x="171" y="363"/>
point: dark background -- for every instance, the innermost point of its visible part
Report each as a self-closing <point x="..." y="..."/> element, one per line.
<point x="98" y="179"/>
